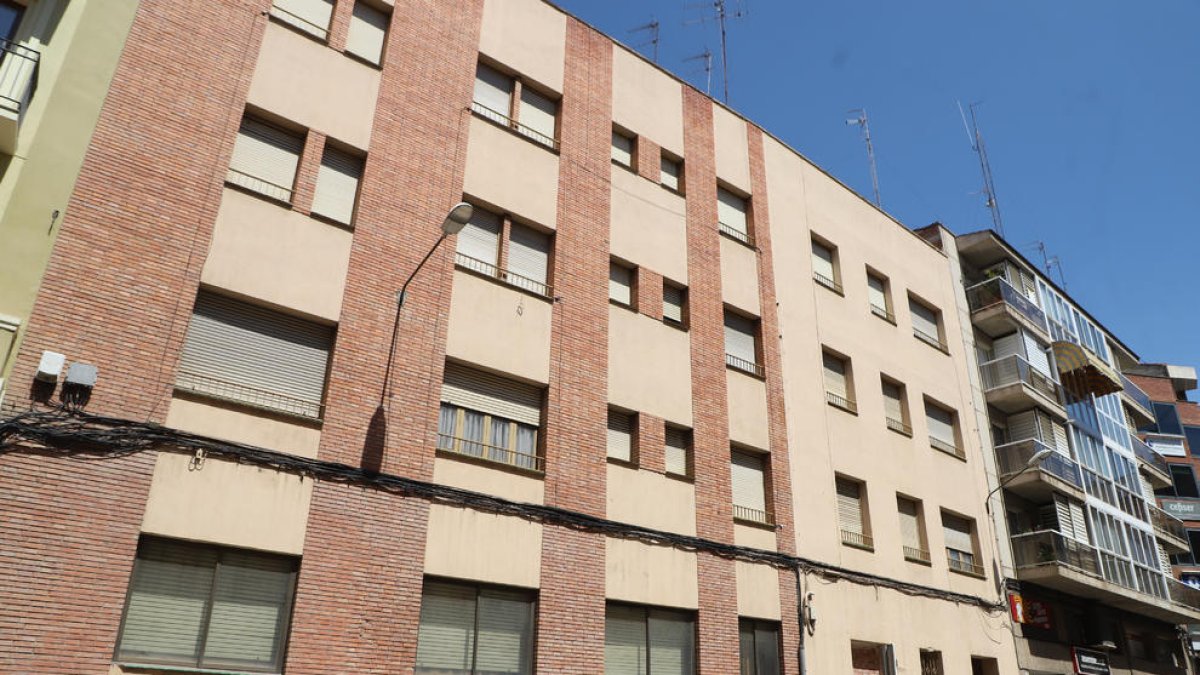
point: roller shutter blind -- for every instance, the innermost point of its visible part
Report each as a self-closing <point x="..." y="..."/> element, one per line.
<point x="622" y="149"/>
<point x="243" y="345"/>
<point x="957" y="533"/>
<point x="1024" y="425"/>
<point x="893" y="407"/>
<point x="492" y="394"/>
<point x="368" y="31"/>
<point x="877" y="292"/>
<point x="446" y="634"/>
<point x="731" y="211"/>
<point x="1035" y="354"/>
<point x="337" y="185"/>
<point x="1009" y="345"/>
<point x="529" y="257"/>
<point x="672" y="643"/>
<point x="480" y="238"/>
<point x="505" y="639"/>
<point x="849" y="503"/>
<point x="1061" y="443"/>
<point x="620" y="284"/>
<point x="676" y="454"/>
<point x="749" y="489"/>
<point x="910" y="523"/>
<point x="822" y="261"/>
<point x="625" y="649"/>
<point x="668" y="173"/>
<point x="265" y="159"/>
<point x="310" y="16"/>
<point x="674" y="298"/>
<point x="740" y="337"/>
<point x="493" y="90"/>
<point x="168" y="596"/>
<point x="924" y="319"/>
<point x="941" y="423"/>
<point x="835" y="375"/>
<point x="250" y="605"/>
<point x="620" y="436"/>
<point x="538" y="114"/>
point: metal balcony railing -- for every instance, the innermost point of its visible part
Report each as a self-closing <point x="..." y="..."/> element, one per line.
<point x="480" y="450"/>
<point x="948" y="448"/>
<point x="956" y="563"/>
<point x="510" y="278"/>
<point x="1138" y="396"/>
<point x="858" y="540"/>
<point x="898" y="426"/>
<point x="1011" y="458"/>
<point x="506" y="121"/>
<point x="882" y="312"/>
<point x="205" y="385"/>
<point x="18" y="75"/>
<point x="752" y="515"/>
<point x="734" y="233"/>
<point x="1149" y="456"/>
<point x="831" y="284"/>
<point x="1048" y="547"/>
<point x="842" y="402"/>
<point x="916" y="554"/>
<point x="1015" y="369"/>
<point x="1168" y="524"/>
<point x="996" y="291"/>
<point x="738" y="363"/>
<point x="931" y="340"/>
<point x="260" y="185"/>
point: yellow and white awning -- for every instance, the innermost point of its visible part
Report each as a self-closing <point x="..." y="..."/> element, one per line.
<point x="1084" y="373"/>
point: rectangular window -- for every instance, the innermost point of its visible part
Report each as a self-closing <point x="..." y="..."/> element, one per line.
<point x="209" y="607"/>
<point x="620" y="435"/>
<point x="535" y="116"/>
<point x="670" y="173"/>
<point x="479" y="241"/>
<point x="337" y="185"/>
<point x="731" y="216"/>
<point x="741" y="343"/>
<point x="870" y="658"/>
<point x="678" y="453"/>
<point x="620" y="284"/>
<point x="467" y="629"/>
<point x="309" y="16"/>
<point x="1167" y="418"/>
<point x="528" y="251"/>
<point x="493" y="94"/>
<point x="758" y="643"/>
<point x="1184" y="481"/>
<point x="622" y="149"/>
<point x="943" y="429"/>
<point x="490" y="417"/>
<point x="957" y="533"/>
<point x="1193" y="439"/>
<point x="895" y="407"/>
<point x="368" y="32"/>
<point x="927" y="324"/>
<point x="852" y="520"/>
<point x="240" y="352"/>
<point x="749" y="487"/>
<point x="825" y="267"/>
<point x="648" y="641"/>
<point x="878" y="297"/>
<point x="265" y="158"/>
<point x="528" y="259"/>
<point x="839" y="384"/>
<point x="675" y="306"/>
<point x="931" y="662"/>
<point x="912" y="530"/>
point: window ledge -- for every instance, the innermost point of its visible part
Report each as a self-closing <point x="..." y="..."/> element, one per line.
<point x="623" y="305"/>
<point x="936" y="344"/>
<point x="919" y="561"/>
<point x="140" y="667"/>
<point x="625" y="463"/>
<point x="861" y="547"/>
<point x="548" y="148"/>
<point x="830" y="285"/>
<point x="349" y="227"/>
<point x="677" y="325"/>
<point x="260" y="195"/>
<point x="967" y="573"/>
<point x="748" y="242"/>
<point x="675" y="191"/>
<point x="883" y="314"/>
<point x="507" y="284"/>
<point x="490" y="463"/>
<point x="364" y="60"/>
<point x="297" y="418"/>
<point x="955" y="452"/>
<point x="750" y="522"/>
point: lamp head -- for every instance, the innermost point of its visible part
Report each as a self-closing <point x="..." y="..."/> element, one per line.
<point x="457" y="219"/>
<point x="1038" y="457"/>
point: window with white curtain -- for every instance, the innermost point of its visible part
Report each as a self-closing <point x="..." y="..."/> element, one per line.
<point x="912" y="532"/>
<point x="467" y="630"/>
<point x="731" y="215"/>
<point x="265" y="158"/>
<point x="825" y="268"/>
<point x="649" y="641"/>
<point x="620" y="284"/>
<point x="338" y="179"/>
<point x="309" y="16"/>
<point x="960" y="543"/>
<point x="489" y="417"/>
<point x="622" y="149"/>
<point x="207" y="607"/>
<point x="741" y="342"/>
<point x="620" y="435"/>
<point x="852" y="519"/>
<point x="749" y="479"/>
<point x="670" y="173"/>
<point x="678" y="452"/>
<point x="368" y="32"/>
<point x="942" y="424"/>
<point x="674" y="303"/>
<point x="758" y="647"/>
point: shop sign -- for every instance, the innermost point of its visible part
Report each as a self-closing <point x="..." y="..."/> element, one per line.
<point x="1090" y="662"/>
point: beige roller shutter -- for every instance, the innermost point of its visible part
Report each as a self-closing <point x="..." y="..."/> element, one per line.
<point x="529" y="257"/>
<point x="849" y="506"/>
<point x="835" y="375"/>
<point x="620" y="435"/>
<point x="822" y="261"/>
<point x="265" y="158"/>
<point x="674" y="298"/>
<point x="310" y="16"/>
<point x="446" y="634"/>
<point x="941" y="423"/>
<point x="620" y="284"/>
<point x="924" y="319"/>
<point x="168" y="596"/>
<point x="910" y="523"/>
<point x="739" y="337"/>
<point x="876" y="292"/>
<point x="893" y="406"/>
<point x="480" y="238"/>
<point x="676" y="452"/>
<point x="957" y="533"/>
<point x="731" y="212"/>
<point x="1035" y="354"/>
<point x="538" y="116"/>
<point x="493" y="90"/>
<point x="749" y="490"/>
<point x="487" y="393"/>
<point x="622" y="149"/>
<point x="368" y="31"/>
<point x="337" y="185"/>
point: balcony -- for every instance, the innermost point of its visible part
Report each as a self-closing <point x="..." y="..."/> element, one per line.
<point x="1050" y="559"/>
<point x="858" y="540"/>
<point x="748" y="514"/>
<point x="1137" y="402"/>
<point x="998" y="309"/>
<point x="1055" y="473"/>
<point x="1012" y="385"/>
<point x="1170" y="531"/>
<point x="18" y="81"/>
<point x="1152" y="464"/>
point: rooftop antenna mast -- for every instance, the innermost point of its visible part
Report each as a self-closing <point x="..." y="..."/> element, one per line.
<point x="860" y="120"/>
<point x="651" y="28"/>
<point x="721" y="14"/>
<point x="706" y="55"/>
<point x="989" y="188"/>
<point x="1050" y="262"/>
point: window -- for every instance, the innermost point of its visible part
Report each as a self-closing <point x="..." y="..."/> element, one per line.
<point x="912" y="530"/>
<point x="243" y="353"/>
<point x="675" y="308"/>
<point x="621" y="426"/>
<point x="927" y="324"/>
<point x="984" y="666"/>
<point x="1193" y="439"/>
<point x="621" y="284"/>
<point x="670" y="173"/>
<point x="309" y="16"/>
<point x="869" y="658"/>
<point x="895" y="406"/>
<point x="931" y="662"/>
<point x="368" y="32"/>
<point x="209" y="607"/>
<point x="10" y="19"/>
<point x="839" y="383"/>
<point x="1167" y="418"/>
<point x="648" y="641"/>
<point x="622" y="148"/>
<point x="731" y="216"/>
<point x="852" y="514"/>
<point x="741" y="343"/>
<point x="759" y="647"/>
<point x="535" y="116"/>
<point x="469" y="629"/>
<point x="943" y="429"/>
<point x="265" y="158"/>
<point x="1192" y="557"/>
<point x="678" y="453"/>
<point x="749" y="487"/>
<point x="337" y="185"/>
<point x="879" y="298"/>
<point x="490" y="417"/>
<point x="1183" y="481"/>
<point x="825" y="266"/>
<point x="528" y="251"/>
<point x="957" y="532"/>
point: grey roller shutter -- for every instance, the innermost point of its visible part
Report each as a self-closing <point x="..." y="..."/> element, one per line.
<point x="254" y="355"/>
<point x="1078" y="521"/>
<point x="487" y="393"/>
<point x="265" y="159"/>
<point x="625" y="641"/>
<point x="446" y="635"/>
<point x="672" y="643"/>
<point x="893" y="407"/>
<point x="957" y="533"/>
<point x="620" y="284"/>
<point x="505" y="637"/>
<point x="337" y="185"/>
<point x="480" y="239"/>
<point x="749" y="489"/>
<point x="529" y="257"/>
<point x="1022" y="426"/>
<point x="251" y="604"/>
<point x="1035" y="354"/>
<point x="676" y="454"/>
<point x="1061" y="443"/>
<point x="835" y="375"/>
<point x="368" y="30"/>
<point x="941" y="424"/>
<point x="740" y="337"/>
<point x="910" y="523"/>
<point x="924" y="320"/>
<point x="168" y="596"/>
<point x="849" y="506"/>
<point x="731" y="212"/>
<point x="310" y="16"/>
<point x="493" y="90"/>
<point x="1009" y="345"/>
<point x="674" y="298"/>
<point x="620" y="436"/>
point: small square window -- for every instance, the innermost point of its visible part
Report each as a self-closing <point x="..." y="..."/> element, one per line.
<point x="622" y="148"/>
<point x="368" y="32"/>
<point x="825" y="266"/>
<point x="674" y="303"/>
<point x="671" y="172"/>
<point x="621" y="429"/>
<point x="678" y="452"/>
<point x="621" y="284"/>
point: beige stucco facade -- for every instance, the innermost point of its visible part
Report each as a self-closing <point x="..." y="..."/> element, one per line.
<point x="493" y="179"/>
<point x="517" y="335"/>
<point x="527" y="36"/>
<point x="647" y="101"/>
<point x="649" y="368"/>
<point x="647" y="225"/>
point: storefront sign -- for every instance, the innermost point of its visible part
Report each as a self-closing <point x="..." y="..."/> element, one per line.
<point x="1037" y="613"/>
<point x="1184" y="509"/>
<point x="1090" y="662"/>
<point x="1016" y="607"/>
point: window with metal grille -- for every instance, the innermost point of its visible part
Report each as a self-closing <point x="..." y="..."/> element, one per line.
<point x="839" y="387"/>
<point x="490" y="417"/>
<point x="265" y="158"/>
<point x="535" y="114"/>
<point x="852" y="513"/>
<point x="215" y="608"/>
<point x="622" y="148"/>
<point x="732" y="218"/>
<point x="337" y="185"/>
<point x="931" y="662"/>
<point x="741" y="343"/>
<point x="527" y="250"/>
<point x="309" y="16"/>
<point x="621" y="426"/>
<point x="825" y="267"/>
<point x="749" y="479"/>
<point x="468" y="630"/>
<point x="648" y="641"/>
<point x="678" y="452"/>
<point x="675" y="307"/>
<point x="368" y="32"/>
<point x="621" y="283"/>
<point x="758" y="643"/>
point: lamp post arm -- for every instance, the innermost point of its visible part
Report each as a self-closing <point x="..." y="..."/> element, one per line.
<point x="404" y="288"/>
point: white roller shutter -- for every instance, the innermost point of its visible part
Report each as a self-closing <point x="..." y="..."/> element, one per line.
<point x="529" y="257"/>
<point x="310" y="16"/>
<point x="924" y="319"/>
<point x="668" y="173"/>
<point x="250" y="351"/>
<point x="676" y="452"/>
<point x="622" y="149"/>
<point x="1023" y="426"/>
<point x="1035" y="354"/>
<point x="1009" y="345"/>
<point x="620" y="435"/>
<point x="749" y="490"/>
<point x="538" y="115"/>
<point x="1061" y="444"/>
<point x="877" y="292"/>
<point x="822" y="261"/>
<point x="835" y="375"/>
<point x="957" y="533"/>
<point x="1079" y="521"/>
<point x="620" y="284"/>
<point x="492" y="394"/>
<point x="674" y="298"/>
<point x="941" y="424"/>
<point x="740" y="337"/>
<point x="480" y="238"/>
<point x="849" y="506"/>
<point x="368" y="31"/>
<point x="265" y="159"/>
<point x="731" y="212"/>
<point x="625" y="641"/>
<point x="493" y="90"/>
<point x="337" y="185"/>
<point x="910" y="523"/>
<point x="893" y="406"/>
<point x="446" y="635"/>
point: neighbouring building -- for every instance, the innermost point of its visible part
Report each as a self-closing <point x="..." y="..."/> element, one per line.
<point x="1084" y="545"/>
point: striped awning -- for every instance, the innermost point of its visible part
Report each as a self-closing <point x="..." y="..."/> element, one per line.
<point x="1082" y="372"/>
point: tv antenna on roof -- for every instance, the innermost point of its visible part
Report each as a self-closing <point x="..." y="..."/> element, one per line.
<point x="860" y="120"/>
<point x="989" y="188"/>
<point x="1050" y="262"/>
<point x="720" y="13"/>
<point x="706" y="55"/>
<point x="652" y="29"/>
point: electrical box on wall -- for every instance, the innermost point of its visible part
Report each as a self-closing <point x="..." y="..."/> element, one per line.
<point x="50" y="367"/>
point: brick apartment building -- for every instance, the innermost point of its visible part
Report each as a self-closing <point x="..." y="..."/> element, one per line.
<point x="674" y="400"/>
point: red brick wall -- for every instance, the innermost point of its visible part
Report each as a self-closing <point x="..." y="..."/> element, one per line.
<point x="1158" y="388"/>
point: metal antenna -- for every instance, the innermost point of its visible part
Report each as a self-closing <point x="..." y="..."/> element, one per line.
<point x="652" y="29"/>
<point x="989" y="188"/>
<point x="1050" y="262"/>
<point x="860" y="120"/>
<point x="707" y="56"/>
<point x="720" y="14"/>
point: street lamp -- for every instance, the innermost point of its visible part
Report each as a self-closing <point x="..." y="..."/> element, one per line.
<point x="1035" y="460"/>
<point x="455" y="221"/>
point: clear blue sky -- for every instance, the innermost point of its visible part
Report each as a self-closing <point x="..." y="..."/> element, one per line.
<point x="1090" y="112"/>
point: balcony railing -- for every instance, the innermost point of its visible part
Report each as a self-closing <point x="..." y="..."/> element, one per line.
<point x="1048" y="547"/>
<point x="18" y="76"/>
<point x="1168" y="524"/>
<point x="956" y="563"/>
<point x="205" y="385"/>
<point x="1012" y="458"/>
<point x="931" y="340"/>
<point x="858" y="540"/>
<point x="948" y="448"/>
<point x="261" y="186"/>
<point x="752" y="515"/>
<point x="842" y="402"/>
<point x="510" y="278"/>
<point x="491" y="453"/>
<point x="734" y="233"/>
<point x="744" y="365"/>
<point x="1149" y="456"/>
<point x="898" y="426"/>
<point x="831" y="284"/>
<point x="506" y="121"/>
<point x="996" y="291"/>
<point x="916" y="554"/>
<point x="1013" y="370"/>
<point x="1138" y="396"/>
<point x="1183" y="594"/>
<point x="883" y="313"/>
